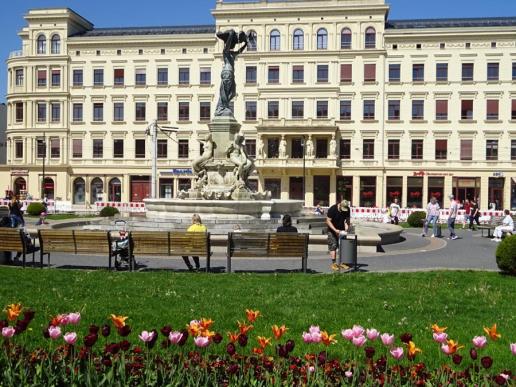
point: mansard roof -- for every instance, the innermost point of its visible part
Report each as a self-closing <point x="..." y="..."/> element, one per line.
<point x="451" y="23"/>
<point x="160" y="30"/>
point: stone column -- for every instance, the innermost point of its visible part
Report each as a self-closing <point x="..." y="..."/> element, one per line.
<point x="309" y="189"/>
<point x="507" y="192"/>
<point x="333" y="188"/>
<point x="355" y="199"/>
<point x="404" y="187"/>
<point x="426" y="199"/>
<point x="484" y="192"/>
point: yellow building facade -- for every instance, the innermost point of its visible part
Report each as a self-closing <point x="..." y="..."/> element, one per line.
<point x="335" y="99"/>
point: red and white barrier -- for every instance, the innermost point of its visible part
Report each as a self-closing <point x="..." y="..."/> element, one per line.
<point x="122" y="207"/>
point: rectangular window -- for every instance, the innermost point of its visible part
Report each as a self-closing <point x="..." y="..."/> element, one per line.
<point x="345" y="110"/>
<point x="369" y="72"/>
<point x="274" y="186"/>
<point x="493" y="71"/>
<point x="298" y="74"/>
<point x="77" y="77"/>
<point x="418" y="72"/>
<point x="296" y="148"/>
<point x="184" y="111"/>
<point x="139" y="148"/>
<point x="42" y="78"/>
<point x="466" y="109"/>
<point x="250" y="110"/>
<point x="441" y="110"/>
<point x="162" y="146"/>
<point x="467" y="71"/>
<point x="272" y="109"/>
<point x="273" y="74"/>
<point x="322" y="73"/>
<point x="98" y="77"/>
<point x="118" y="77"/>
<point x="368" y="149"/>
<point x="77" y="112"/>
<point x="42" y="112"/>
<point x="250" y="74"/>
<point x="514" y="71"/>
<point x="162" y="111"/>
<point x="321" y="148"/>
<point x="162" y="76"/>
<point x="18" y="145"/>
<point x="418" y="109"/>
<point x="298" y="109"/>
<point x="118" y="111"/>
<point x="394" y="72"/>
<point x="417" y="150"/>
<point x="346" y="72"/>
<point x="118" y="148"/>
<point x="393" y="149"/>
<point x="345" y="149"/>
<point x="272" y="148"/>
<point x="466" y="150"/>
<point x="441" y="72"/>
<point x="205" y="76"/>
<point x="369" y="110"/>
<point x="19" y="77"/>
<point x="182" y="149"/>
<point x="513" y="109"/>
<point x="56" y="78"/>
<point x="322" y="109"/>
<point x="394" y="110"/>
<point x="140" y="77"/>
<point x="19" y="111"/>
<point x="491" y="149"/>
<point x="55" y="148"/>
<point x="184" y="75"/>
<point x="98" y="148"/>
<point x="513" y="150"/>
<point x="55" y="109"/>
<point x="492" y="109"/>
<point x="441" y="149"/>
<point x="98" y="112"/>
<point x="41" y="149"/>
<point x="77" y="148"/>
<point x="140" y="109"/>
<point x="250" y="148"/>
<point x="205" y="111"/>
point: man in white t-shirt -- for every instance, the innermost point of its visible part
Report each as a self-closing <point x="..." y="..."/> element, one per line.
<point x="454" y="207"/>
<point x="395" y="210"/>
<point x="507" y="226"/>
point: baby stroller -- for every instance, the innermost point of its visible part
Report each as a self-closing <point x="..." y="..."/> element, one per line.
<point x="120" y="247"/>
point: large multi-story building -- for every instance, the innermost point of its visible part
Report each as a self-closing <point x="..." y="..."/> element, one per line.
<point x="335" y="100"/>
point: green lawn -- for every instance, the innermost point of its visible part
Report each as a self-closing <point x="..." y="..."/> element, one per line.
<point x="465" y="302"/>
<point x="65" y="216"/>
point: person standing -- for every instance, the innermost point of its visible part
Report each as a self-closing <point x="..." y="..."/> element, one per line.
<point x="474" y="214"/>
<point x="15" y="212"/>
<point x="467" y="212"/>
<point x="454" y="207"/>
<point x="432" y="215"/>
<point x="196" y="226"/>
<point x="337" y="220"/>
<point x="287" y="225"/>
<point x="507" y="226"/>
<point x="395" y="210"/>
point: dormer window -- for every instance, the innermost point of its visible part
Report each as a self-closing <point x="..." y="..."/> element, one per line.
<point x="42" y="44"/>
<point x="55" y="47"/>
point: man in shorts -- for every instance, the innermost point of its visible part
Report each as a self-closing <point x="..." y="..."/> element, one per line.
<point x="337" y="220"/>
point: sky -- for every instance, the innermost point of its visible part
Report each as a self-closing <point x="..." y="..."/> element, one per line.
<point x="124" y="13"/>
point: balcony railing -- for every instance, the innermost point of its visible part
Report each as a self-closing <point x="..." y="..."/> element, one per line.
<point x="14" y="54"/>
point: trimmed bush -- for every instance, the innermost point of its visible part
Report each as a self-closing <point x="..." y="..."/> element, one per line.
<point x="416" y="219"/>
<point x="506" y="255"/>
<point x="35" y="208"/>
<point x="109" y="211"/>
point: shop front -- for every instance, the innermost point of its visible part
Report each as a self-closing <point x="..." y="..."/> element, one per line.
<point x="495" y="198"/>
<point x="436" y="189"/>
<point x="394" y="189"/>
<point x="415" y="192"/>
<point x="367" y="191"/>
<point x="466" y="188"/>
<point x="344" y="188"/>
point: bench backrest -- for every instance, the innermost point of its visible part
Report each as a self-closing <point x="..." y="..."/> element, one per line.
<point x="74" y="241"/>
<point x="170" y="243"/>
<point x="11" y="239"/>
<point x="267" y="245"/>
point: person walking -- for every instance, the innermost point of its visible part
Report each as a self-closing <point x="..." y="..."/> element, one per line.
<point x="196" y="226"/>
<point x="432" y="215"/>
<point x="507" y="226"/>
<point x="287" y="225"/>
<point x="454" y="207"/>
<point x="474" y="214"/>
<point x="395" y="210"/>
<point x="337" y="220"/>
<point x="15" y="212"/>
<point x="467" y="212"/>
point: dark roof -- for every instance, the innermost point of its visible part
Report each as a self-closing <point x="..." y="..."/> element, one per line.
<point x="163" y="30"/>
<point x="451" y="23"/>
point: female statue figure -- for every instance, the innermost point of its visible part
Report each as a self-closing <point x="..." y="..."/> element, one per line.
<point x="283" y="148"/>
<point x="199" y="163"/>
<point x="333" y="146"/>
<point x="309" y="147"/>
<point x="238" y="156"/>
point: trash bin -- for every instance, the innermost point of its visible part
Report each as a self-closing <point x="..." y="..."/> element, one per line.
<point x="5" y="257"/>
<point x="348" y="249"/>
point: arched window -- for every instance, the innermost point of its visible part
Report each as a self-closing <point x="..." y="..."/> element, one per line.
<point x="298" y="40"/>
<point x="42" y="44"/>
<point x="96" y="190"/>
<point x="55" y="47"/>
<point x="20" y="185"/>
<point x="275" y="41"/>
<point x="48" y="188"/>
<point x="322" y="39"/>
<point x="345" y="39"/>
<point x="370" y="38"/>
<point x="253" y="37"/>
<point x="78" y="191"/>
<point x="115" y="190"/>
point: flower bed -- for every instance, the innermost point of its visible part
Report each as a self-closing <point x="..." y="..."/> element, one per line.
<point x="197" y="354"/>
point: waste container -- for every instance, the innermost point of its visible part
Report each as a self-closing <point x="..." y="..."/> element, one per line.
<point x="348" y="249"/>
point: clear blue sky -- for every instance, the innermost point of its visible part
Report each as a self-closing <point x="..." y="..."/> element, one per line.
<point x="119" y="13"/>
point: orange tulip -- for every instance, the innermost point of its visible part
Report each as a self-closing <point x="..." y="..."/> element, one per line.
<point x="118" y="321"/>
<point x="263" y="341"/>
<point x="206" y="324"/>
<point x="452" y="347"/>
<point x="194" y="328"/>
<point x="252" y="315"/>
<point x="207" y="333"/>
<point x="413" y="350"/>
<point x="491" y="332"/>
<point x="327" y="339"/>
<point x="244" y="328"/>
<point x="13" y="311"/>
<point x="438" y="329"/>
<point x="257" y="351"/>
<point x="278" y="331"/>
<point x="233" y="337"/>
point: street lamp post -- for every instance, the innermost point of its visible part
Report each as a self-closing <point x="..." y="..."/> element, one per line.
<point x="44" y="145"/>
<point x="304" y="169"/>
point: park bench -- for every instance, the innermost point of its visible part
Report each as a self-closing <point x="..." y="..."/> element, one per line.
<point x="170" y="244"/>
<point x="263" y="245"/>
<point x="493" y="223"/>
<point x="74" y="242"/>
<point x="15" y="240"/>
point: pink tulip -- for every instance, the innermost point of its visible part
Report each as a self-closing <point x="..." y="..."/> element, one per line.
<point x="8" y="332"/>
<point x="54" y="332"/>
<point x="387" y="339"/>
<point x="347" y="334"/>
<point x="61" y="319"/>
<point x="201" y="341"/>
<point x="513" y="348"/>
<point x="313" y="335"/>
<point x="314" y="329"/>
<point x="357" y="330"/>
<point x="440" y="338"/>
<point x="505" y="376"/>
<point x="372" y="334"/>
<point x="479" y="341"/>
<point x="70" y="338"/>
<point x="397" y="353"/>
<point x="348" y="374"/>
<point x="73" y="318"/>
<point x="446" y="349"/>
<point x="307" y="337"/>
<point x="146" y="337"/>
<point x="175" y="337"/>
<point x="311" y="369"/>
<point x="359" y="341"/>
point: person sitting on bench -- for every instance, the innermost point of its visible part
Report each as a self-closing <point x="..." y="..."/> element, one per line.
<point x="507" y="226"/>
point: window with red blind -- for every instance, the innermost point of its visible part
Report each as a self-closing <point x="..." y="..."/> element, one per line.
<point x="77" y="148"/>
<point x="42" y="78"/>
<point x="466" y="149"/>
<point x="513" y="109"/>
<point x="346" y="72"/>
<point x="441" y="149"/>
<point x="466" y="109"/>
<point x="369" y="72"/>
<point x="119" y="77"/>
<point x="441" y="109"/>
<point x="492" y="109"/>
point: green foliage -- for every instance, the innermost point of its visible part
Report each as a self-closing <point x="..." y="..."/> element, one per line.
<point x="506" y="255"/>
<point x="109" y="211"/>
<point x="35" y="208"/>
<point x="416" y="219"/>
